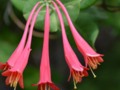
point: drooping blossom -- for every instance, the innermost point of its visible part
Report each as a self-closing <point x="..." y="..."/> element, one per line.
<point x="11" y="61"/>
<point x="15" y="74"/>
<point x="14" y="67"/>
<point x="77" y="70"/>
<point x="92" y="59"/>
<point x="45" y="82"/>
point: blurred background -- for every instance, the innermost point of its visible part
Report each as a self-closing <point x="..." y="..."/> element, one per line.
<point x="98" y="21"/>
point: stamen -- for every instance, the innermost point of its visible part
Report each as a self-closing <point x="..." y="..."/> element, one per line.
<point x="94" y="60"/>
<point x="16" y="80"/>
<point x="15" y="87"/>
<point x="5" y="68"/>
<point x="48" y="87"/>
<point x="75" y="87"/>
<point x="77" y="76"/>
<point x="97" y="62"/>
<point x="41" y="87"/>
<point x="92" y="72"/>
<point x="92" y="63"/>
<point x="45" y="86"/>
<point x="69" y="77"/>
<point x="74" y="76"/>
<point x="11" y="79"/>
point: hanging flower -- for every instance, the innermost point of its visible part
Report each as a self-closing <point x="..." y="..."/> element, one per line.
<point x="92" y="59"/>
<point x="76" y="69"/>
<point x="15" y="55"/>
<point x="13" y="69"/>
<point x="15" y="74"/>
<point x="45" y="82"/>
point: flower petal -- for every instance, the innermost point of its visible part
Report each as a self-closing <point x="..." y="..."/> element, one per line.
<point x="2" y="66"/>
<point x="6" y="73"/>
<point x="21" y="82"/>
<point x="7" y="80"/>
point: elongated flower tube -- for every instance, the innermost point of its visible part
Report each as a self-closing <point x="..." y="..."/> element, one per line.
<point x="11" y="61"/>
<point x="76" y="69"/>
<point x="92" y="59"/>
<point x="15" y="74"/>
<point x="45" y="82"/>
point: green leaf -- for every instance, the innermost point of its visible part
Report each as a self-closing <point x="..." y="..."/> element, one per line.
<point x="73" y="9"/>
<point x="5" y="50"/>
<point x="113" y="2"/>
<point x="86" y="3"/>
<point x="87" y="28"/>
<point x="96" y="13"/>
<point x="19" y="4"/>
<point x="8" y="42"/>
<point x="113" y="20"/>
<point x="31" y="76"/>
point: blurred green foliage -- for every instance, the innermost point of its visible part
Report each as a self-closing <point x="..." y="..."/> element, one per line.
<point x="91" y="18"/>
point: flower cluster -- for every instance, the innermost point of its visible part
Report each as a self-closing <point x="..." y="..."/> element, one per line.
<point x="13" y="69"/>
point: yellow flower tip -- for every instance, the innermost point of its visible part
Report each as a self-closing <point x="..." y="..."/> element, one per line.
<point x="13" y="80"/>
<point x="95" y="76"/>
<point x="75" y="87"/>
<point x="15" y="88"/>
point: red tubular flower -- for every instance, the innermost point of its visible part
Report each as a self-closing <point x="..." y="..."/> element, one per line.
<point x="92" y="59"/>
<point x="76" y="69"/>
<point x="11" y="61"/>
<point x="15" y="74"/>
<point x="45" y="82"/>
